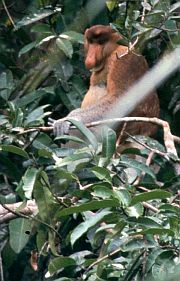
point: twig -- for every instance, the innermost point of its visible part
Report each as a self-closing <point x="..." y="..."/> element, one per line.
<point x="7" y="12"/>
<point x="104" y="258"/>
<point x="153" y="150"/>
<point x="149" y="206"/>
<point x="8" y="211"/>
<point x="144" y="11"/>
<point x="121" y="134"/>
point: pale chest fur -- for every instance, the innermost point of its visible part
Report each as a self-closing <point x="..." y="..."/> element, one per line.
<point x="99" y="80"/>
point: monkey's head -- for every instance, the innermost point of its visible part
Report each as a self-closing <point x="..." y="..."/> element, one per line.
<point x="100" y="42"/>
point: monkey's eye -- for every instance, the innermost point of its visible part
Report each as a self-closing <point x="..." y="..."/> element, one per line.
<point x="102" y="41"/>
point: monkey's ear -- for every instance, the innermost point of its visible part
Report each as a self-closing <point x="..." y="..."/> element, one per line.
<point x="87" y="29"/>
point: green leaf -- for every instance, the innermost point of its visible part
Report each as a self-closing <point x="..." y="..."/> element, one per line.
<point x="37" y="115"/>
<point x="136" y="210"/>
<point x="19" y="230"/>
<point x="41" y="28"/>
<point x="72" y="35"/>
<point x="85" y="131"/>
<point x="144" y="221"/>
<point x="44" y="199"/>
<point x="6" y="84"/>
<point x="60" y="263"/>
<point x="146" y="196"/>
<point x="123" y="196"/>
<point x="102" y="191"/>
<point x="151" y="259"/>
<point x="14" y="149"/>
<point x="27" y="48"/>
<point x="129" y="162"/>
<point x="156" y="231"/>
<point x="70" y="138"/>
<point x="65" y="46"/>
<point x="90" y="206"/>
<point x="29" y="181"/>
<point x="111" y="5"/>
<point x="39" y="15"/>
<point x="83" y="157"/>
<point x="86" y="225"/>
<point x="170" y="208"/>
<point x="41" y="239"/>
<point x="108" y="142"/>
<point x="102" y="174"/>
<point x="30" y="98"/>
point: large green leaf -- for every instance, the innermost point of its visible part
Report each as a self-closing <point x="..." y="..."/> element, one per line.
<point x="146" y="196"/>
<point x="85" y="131"/>
<point x="145" y="222"/>
<point x="102" y="174"/>
<point x="37" y="115"/>
<point x="90" y="206"/>
<point x="157" y="231"/>
<point x="60" y="263"/>
<point x="14" y="149"/>
<point x="72" y="35"/>
<point x="19" y="230"/>
<point x="87" y="224"/>
<point x="129" y="162"/>
<point x="39" y="15"/>
<point x="65" y="46"/>
<point x="44" y="199"/>
<point x="29" y="181"/>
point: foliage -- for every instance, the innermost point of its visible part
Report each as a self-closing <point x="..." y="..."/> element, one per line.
<point x="101" y="215"/>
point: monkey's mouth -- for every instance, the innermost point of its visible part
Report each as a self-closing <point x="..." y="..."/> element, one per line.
<point x="97" y="68"/>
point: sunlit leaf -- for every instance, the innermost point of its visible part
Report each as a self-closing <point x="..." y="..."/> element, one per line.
<point x="72" y="35"/>
<point x="85" y="131"/>
<point x="29" y="181"/>
<point x="108" y="142"/>
<point x="41" y="14"/>
<point x="65" y="46"/>
<point x="87" y="224"/>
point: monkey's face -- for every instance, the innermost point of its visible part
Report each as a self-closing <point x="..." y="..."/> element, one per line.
<point x="100" y="42"/>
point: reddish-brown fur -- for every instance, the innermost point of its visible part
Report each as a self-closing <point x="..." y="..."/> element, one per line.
<point x="114" y="70"/>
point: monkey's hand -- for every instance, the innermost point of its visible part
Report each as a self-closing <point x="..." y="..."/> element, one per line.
<point x="60" y="126"/>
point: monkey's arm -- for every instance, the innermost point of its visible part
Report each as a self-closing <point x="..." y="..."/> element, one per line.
<point x="92" y="113"/>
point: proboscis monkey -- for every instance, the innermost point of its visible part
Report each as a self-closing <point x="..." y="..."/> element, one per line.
<point x="114" y="70"/>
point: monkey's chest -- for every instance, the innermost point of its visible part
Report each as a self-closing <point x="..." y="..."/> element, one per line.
<point x="94" y="94"/>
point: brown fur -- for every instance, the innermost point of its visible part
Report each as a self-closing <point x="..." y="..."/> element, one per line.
<point x="111" y="78"/>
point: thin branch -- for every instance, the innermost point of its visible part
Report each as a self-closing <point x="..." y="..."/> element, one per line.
<point x="153" y="150"/>
<point x="150" y="207"/>
<point x="169" y="139"/>
<point x="9" y="212"/>
<point x="104" y="258"/>
<point x="7" y="12"/>
<point x="144" y="11"/>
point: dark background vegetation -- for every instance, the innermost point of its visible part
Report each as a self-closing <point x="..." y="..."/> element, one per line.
<point x="90" y="205"/>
